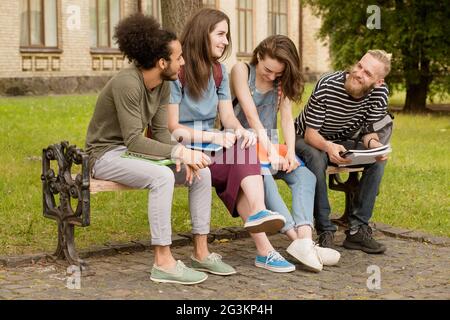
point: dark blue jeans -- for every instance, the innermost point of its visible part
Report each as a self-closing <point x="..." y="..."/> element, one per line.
<point x="317" y="161"/>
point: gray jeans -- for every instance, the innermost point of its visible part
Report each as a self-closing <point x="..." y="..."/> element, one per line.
<point x="160" y="180"/>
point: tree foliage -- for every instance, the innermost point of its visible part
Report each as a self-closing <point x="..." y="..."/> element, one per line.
<point x="416" y="32"/>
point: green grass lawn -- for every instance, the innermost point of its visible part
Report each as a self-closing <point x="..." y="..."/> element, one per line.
<point x="415" y="191"/>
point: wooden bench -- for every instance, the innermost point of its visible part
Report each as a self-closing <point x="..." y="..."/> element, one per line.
<point x="77" y="188"/>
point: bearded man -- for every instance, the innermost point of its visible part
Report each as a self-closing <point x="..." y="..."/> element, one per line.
<point x="341" y="104"/>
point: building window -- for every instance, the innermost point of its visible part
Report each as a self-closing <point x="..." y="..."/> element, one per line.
<point x="210" y="4"/>
<point x="38" y="24"/>
<point x="151" y="7"/>
<point x="245" y="26"/>
<point x="104" y="16"/>
<point x="278" y="18"/>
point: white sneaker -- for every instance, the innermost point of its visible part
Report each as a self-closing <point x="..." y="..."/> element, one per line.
<point x="304" y="250"/>
<point x="328" y="256"/>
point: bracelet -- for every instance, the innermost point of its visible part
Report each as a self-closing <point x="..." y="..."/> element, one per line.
<point x="368" y="143"/>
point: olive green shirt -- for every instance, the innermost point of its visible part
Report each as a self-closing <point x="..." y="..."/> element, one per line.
<point x="124" y="109"/>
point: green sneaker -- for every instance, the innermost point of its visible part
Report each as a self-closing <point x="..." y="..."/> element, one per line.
<point x="213" y="264"/>
<point x="179" y="274"/>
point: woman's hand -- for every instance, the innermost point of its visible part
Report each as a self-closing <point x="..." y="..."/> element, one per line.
<point x="249" y="138"/>
<point x="292" y="161"/>
<point x="225" y="139"/>
<point x="277" y="162"/>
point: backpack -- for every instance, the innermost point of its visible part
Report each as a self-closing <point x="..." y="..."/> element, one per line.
<point x="383" y="127"/>
<point x="217" y="75"/>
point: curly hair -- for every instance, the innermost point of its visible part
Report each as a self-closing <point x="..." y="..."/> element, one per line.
<point x="282" y="48"/>
<point x="142" y="41"/>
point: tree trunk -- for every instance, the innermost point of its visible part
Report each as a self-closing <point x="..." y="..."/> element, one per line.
<point x="175" y="13"/>
<point x="416" y="92"/>
<point x="416" y="97"/>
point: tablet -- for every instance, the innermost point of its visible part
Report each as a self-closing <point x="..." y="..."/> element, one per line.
<point x="204" y="146"/>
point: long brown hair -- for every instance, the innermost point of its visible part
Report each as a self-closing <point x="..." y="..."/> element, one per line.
<point x="197" y="49"/>
<point x="282" y="48"/>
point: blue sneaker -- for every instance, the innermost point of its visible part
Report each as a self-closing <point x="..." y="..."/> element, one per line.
<point x="265" y="221"/>
<point x="274" y="262"/>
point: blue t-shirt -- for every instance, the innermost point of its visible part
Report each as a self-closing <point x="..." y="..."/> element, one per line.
<point x="200" y="114"/>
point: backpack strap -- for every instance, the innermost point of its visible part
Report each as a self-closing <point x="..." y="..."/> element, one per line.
<point x="383" y="127"/>
<point x="279" y="94"/>
<point x="217" y="75"/>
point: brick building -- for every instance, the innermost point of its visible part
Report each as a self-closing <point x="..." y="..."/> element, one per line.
<point x="65" y="46"/>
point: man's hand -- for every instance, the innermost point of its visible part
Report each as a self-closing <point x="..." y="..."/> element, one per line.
<point x="375" y="144"/>
<point x="333" y="150"/>
<point x="195" y="159"/>
<point x="191" y="173"/>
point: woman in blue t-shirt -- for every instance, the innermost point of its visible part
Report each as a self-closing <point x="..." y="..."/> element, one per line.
<point x="267" y="85"/>
<point x="193" y="107"/>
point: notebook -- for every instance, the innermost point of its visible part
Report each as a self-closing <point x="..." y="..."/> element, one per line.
<point x="263" y="157"/>
<point x="144" y="157"/>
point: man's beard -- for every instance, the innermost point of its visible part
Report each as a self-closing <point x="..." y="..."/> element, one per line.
<point x="357" y="91"/>
<point x="168" y="74"/>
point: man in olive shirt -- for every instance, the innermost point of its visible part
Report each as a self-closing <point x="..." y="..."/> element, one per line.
<point x="133" y="100"/>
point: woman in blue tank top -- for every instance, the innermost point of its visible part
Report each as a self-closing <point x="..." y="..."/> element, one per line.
<point x="268" y="85"/>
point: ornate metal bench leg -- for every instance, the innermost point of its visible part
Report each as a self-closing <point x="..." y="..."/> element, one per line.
<point x="66" y="245"/>
<point x="67" y="188"/>
<point x="350" y="187"/>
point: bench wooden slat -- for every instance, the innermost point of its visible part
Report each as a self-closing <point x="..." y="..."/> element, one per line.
<point x="104" y="186"/>
<point x="334" y="170"/>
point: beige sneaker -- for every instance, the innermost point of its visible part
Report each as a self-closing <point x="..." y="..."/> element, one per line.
<point x="304" y="250"/>
<point x="328" y="256"/>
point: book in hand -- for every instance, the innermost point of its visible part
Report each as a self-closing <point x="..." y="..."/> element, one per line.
<point x="264" y="158"/>
<point x="365" y="156"/>
<point x="204" y="146"/>
<point x="148" y="158"/>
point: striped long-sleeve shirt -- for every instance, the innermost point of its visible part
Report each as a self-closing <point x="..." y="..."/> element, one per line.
<point x="336" y="114"/>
